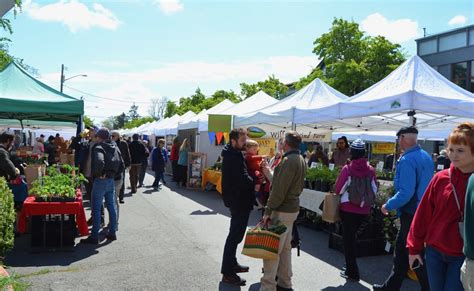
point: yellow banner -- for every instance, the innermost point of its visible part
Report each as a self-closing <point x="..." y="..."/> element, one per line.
<point x="267" y="146"/>
<point x="383" y="148"/>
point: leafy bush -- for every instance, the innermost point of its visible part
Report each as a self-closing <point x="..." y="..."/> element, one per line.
<point x="57" y="184"/>
<point x="7" y="218"/>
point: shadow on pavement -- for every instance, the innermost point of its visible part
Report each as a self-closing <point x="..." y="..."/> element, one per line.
<point x="227" y="287"/>
<point x="206" y="212"/>
<point x="347" y="286"/>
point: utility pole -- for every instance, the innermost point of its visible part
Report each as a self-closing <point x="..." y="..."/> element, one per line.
<point x="62" y="77"/>
<point x="424" y="31"/>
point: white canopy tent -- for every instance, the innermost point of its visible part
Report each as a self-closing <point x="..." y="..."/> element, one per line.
<point x="170" y="126"/>
<point x="413" y="89"/>
<point x="391" y="135"/>
<point x="200" y="121"/>
<point x="258" y="101"/>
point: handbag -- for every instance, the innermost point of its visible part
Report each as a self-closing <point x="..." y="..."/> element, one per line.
<point x="331" y="208"/>
<point x="261" y="244"/>
<point x="461" y="222"/>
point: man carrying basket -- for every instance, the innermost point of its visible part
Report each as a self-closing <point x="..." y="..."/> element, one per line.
<point x="283" y="206"/>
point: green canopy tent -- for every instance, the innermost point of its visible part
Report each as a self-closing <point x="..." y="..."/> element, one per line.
<point x="23" y="97"/>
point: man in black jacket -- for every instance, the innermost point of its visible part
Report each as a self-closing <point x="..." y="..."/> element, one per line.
<point x="123" y="146"/>
<point x="137" y="154"/>
<point x="106" y="165"/>
<point x="7" y="169"/>
<point x="238" y="194"/>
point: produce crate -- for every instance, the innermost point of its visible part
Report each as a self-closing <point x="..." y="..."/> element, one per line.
<point x="46" y="231"/>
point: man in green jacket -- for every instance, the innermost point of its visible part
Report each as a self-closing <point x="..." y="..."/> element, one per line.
<point x="467" y="270"/>
<point x="284" y="205"/>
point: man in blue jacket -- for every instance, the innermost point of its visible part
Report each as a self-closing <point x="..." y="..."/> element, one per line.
<point x="414" y="171"/>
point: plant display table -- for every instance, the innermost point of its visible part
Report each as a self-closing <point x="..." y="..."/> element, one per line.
<point x="311" y="200"/>
<point x="213" y="177"/>
<point x="32" y="208"/>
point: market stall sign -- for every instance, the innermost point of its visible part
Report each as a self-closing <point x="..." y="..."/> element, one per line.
<point x="383" y="148"/>
<point x="220" y="123"/>
<point x="267" y="146"/>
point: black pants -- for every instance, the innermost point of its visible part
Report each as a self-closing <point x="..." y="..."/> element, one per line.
<point x="143" y="168"/>
<point x="400" y="259"/>
<point x="238" y="225"/>
<point x="174" y="166"/>
<point x="350" y="224"/>
<point x="122" y="190"/>
<point x="183" y="175"/>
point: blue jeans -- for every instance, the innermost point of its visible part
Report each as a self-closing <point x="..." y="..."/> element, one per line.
<point x="444" y="272"/>
<point x="159" y="175"/>
<point x="103" y="188"/>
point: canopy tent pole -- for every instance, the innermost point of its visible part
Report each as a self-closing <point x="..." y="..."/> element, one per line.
<point x="293" y="125"/>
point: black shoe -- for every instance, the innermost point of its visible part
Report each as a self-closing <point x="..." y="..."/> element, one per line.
<point x="90" y="240"/>
<point x="348" y="277"/>
<point x="279" y="288"/>
<point x="121" y="201"/>
<point x="380" y="287"/>
<point x="241" y="269"/>
<point x="139" y="186"/>
<point x="111" y="237"/>
<point x="233" y="279"/>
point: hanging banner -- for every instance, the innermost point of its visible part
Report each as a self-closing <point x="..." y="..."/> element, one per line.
<point x="226" y="137"/>
<point x="219" y="136"/>
<point x="383" y="148"/>
<point x="220" y="123"/>
<point x="267" y="146"/>
<point x="212" y="137"/>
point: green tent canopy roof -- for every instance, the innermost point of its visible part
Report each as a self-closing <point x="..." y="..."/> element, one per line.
<point x="24" y="97"/>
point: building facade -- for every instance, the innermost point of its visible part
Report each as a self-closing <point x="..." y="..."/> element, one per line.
<point x="452" y="54"/>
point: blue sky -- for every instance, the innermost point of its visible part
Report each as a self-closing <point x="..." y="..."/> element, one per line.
<point x="137" y="50"/>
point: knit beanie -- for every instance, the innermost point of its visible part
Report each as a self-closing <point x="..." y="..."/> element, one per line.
<point x="358" y="147"/>
<point x="103" y="133"/>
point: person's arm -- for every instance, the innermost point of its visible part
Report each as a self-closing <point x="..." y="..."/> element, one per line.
<point x="406" y="186"/>
<point x="342" y="180"/>
<point x="421" y="221"/>
<point x="99" y="162"/>
<point x="280" y="186"/>
<point x="126" y="154"/>
<point x="165" y="155"/>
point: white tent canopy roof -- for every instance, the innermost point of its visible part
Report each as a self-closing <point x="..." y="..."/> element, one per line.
<point x="200" y="121"/>
<point x="413" y="86"/>
<point x="170" y="126"/>
<point x="253" y="103"/>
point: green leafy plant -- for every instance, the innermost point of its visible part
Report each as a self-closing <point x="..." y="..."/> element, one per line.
<point x="7" y="218"/>
<point x="57" y="184"/>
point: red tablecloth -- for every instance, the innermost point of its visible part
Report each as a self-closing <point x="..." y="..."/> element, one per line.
<point x="30" y="208"/>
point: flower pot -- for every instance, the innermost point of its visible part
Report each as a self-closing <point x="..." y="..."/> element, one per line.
<point x="307" y="185"/>
<point x="317" y="185"/>
<point x="325" y="186"/>
<point x="55" y="199"/>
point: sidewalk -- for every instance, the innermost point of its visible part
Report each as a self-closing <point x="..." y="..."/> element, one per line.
<point x="173" y="240"/>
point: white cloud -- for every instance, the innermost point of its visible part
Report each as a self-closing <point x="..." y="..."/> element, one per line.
<point x="170" y="6"/>
<point x="398" y="31"/>
<point x="458" y="20"/>
<point x="74" y="14"/>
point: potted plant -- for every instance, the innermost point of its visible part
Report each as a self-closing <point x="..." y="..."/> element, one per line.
<point x="7" y="221"/>
<point x="311" y="176"/>
<point x="57" y="186"/>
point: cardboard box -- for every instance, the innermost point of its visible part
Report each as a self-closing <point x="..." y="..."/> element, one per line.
<point x="32" y="173"/>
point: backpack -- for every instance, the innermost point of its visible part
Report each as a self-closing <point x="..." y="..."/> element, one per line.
<point x="360" y="191"/>
<point x="113" y="163"/>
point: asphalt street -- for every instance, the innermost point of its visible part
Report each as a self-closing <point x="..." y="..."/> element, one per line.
<point x="172" y="239"/>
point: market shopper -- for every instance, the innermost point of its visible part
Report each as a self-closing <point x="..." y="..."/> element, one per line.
<point x="238" y="196"/>
<point x="50" y="149"/>
<point x="159" y="157"/>
<point x="283" y="206"/>
<point x="357" y="184"/>
<point x="107" y="164"/>
<point x="467" y="269"/>
<point x="144" y="165"/>
<point x="183" y="163"/>
<point x="341" y="155"/>
<point x="137" y="155"/>
<point x="174" y="156"/>
<point x="437" y="220"/>
<point x="38" y="148"/>
<point x="7" y="169"/>
<point x="125" y="152"/>
<point x="414" y="171"/>
<point x="318" y="156"/>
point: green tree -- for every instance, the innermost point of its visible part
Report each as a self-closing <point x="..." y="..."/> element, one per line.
<point x="88" y="121"/>
<point x="120" y="120"/>
<point x="133" y="112"/>
<point x="171" y="109"/>
<point x="139" y="121"/>
<point x="109" y="122"/>
<point x="272" y="86"/>
<point x="353" y="61"/>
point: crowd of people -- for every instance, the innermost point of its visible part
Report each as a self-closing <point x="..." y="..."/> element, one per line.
<point x="435" y="209"/>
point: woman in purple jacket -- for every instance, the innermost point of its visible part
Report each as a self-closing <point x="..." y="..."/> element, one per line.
<point x="353" y="213"/>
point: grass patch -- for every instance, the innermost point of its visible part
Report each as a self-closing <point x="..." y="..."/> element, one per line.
<point x="15" y="281"/>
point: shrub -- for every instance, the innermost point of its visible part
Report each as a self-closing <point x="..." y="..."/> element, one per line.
<point x="7" y="218"/>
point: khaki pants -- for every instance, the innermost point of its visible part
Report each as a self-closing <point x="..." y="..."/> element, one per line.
<point x="134" y="173"/>
<point x="280" y="267"/>
<point x="467" y="274"/>
<point x="118" y="186"/>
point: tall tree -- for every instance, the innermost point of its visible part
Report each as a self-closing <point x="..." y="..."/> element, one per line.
<point x="171" y="109"/>
<point x="120" y="120"/>
<point x="133" y="112"/>
<point x="272" y="86"/>
<point x="158" y="107"/>
<point x="109" y="122"/>
<point x="88" y="121"/>
<point x="139" y="121"/>
<point x="353" y="61"/>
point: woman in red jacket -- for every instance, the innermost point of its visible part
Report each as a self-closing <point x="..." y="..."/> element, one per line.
<point x="438" y="217"/>
<point x="174" y="158"/>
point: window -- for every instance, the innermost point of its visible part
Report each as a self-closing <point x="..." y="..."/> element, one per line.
<point x="471" y="37"/>
<point x="445" y="71"/>
<point x="471" y="79"/>
<point x="459" y="74"/>
<point x="427" y="47"/>
<point x="452" y="41"/>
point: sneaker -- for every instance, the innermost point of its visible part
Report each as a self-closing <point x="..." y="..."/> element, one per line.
<point x="90" y="240"/>
<point x="121" y="201"/>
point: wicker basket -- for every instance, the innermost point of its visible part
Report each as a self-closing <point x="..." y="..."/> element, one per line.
<point x="261" y="244"/>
